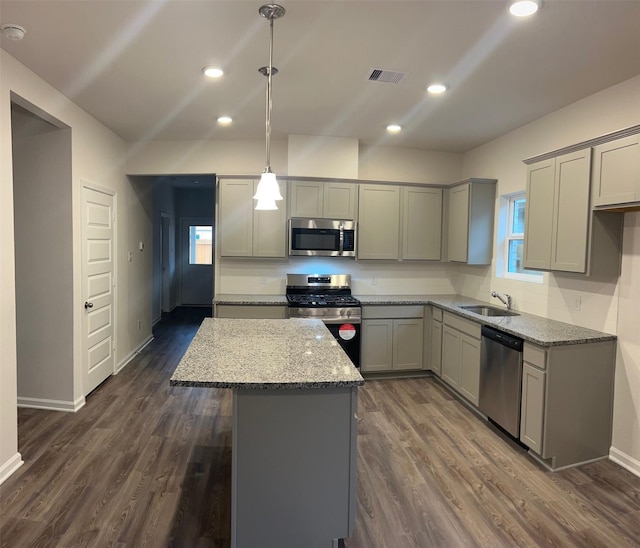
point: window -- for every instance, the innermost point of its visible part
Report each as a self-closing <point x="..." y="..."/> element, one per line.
<point x="515" y="235"/>
<point x="513" y="223"/>
<point x="200" y="245"/>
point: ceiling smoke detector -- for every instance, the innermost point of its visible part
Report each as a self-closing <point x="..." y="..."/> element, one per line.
<point x="13" y="32"/>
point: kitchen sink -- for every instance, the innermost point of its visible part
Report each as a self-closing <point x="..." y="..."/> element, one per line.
<point x="484" y="310"/>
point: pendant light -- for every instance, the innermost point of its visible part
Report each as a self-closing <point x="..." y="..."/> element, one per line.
<point x="268" y="191"/>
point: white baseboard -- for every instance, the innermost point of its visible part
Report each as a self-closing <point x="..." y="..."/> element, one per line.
<point x="133" y="354"/>
<point x="624" y="460"/>
<point x="10" y="467"/>
<point x="52" y="405"/>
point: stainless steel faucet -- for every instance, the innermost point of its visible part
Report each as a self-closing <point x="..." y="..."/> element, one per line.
<point x="506" y="300"/>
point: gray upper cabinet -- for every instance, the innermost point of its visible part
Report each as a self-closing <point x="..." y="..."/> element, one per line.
<point x="379" y="222"/>
<point x="470" y="215"/>
<point x="561" y="233"/>
<point x="320" y="200"/>
<point x="245" y="232"/>
<point x="557" y="215"/>
<point x="421" y="223"/>
<point x="616" y="172"/>
<point x="399" y="222"/>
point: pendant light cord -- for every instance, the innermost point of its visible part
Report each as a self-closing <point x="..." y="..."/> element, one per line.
<point x="269" y="103"/>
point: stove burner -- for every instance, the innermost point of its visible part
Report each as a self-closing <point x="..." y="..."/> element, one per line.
<point x="322" y="300"/>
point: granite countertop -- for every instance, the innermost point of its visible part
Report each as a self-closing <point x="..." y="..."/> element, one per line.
<point x="246" y="299"/>
<point x="265" y="354"/>
<point x="532" y="328"/>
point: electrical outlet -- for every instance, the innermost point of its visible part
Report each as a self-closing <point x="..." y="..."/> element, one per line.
<point x="130" y="256"/>
<point x="263" y="280"/>
<point x="139" y="325"/>
<point x="577" y="303"/>
<point x="374" y="281"/>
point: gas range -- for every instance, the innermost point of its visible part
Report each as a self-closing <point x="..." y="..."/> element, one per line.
<point x="327" y="297"/>
<point x="324" y="296"/>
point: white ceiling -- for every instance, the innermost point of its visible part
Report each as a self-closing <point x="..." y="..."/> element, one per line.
<point x="136" y="65"/>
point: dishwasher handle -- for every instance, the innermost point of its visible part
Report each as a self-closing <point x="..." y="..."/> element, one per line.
<point x="503" y="338"/>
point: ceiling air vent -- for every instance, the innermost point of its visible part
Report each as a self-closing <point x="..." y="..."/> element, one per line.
<point x="386" y="76"/>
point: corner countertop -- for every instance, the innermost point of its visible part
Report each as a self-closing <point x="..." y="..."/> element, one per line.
<point x="265" y="354"/>
<point x="532" y="328"/>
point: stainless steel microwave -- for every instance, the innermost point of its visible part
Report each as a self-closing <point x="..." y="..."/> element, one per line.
<point x="322" y="237"/>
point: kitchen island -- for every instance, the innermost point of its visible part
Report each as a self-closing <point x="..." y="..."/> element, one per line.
<point x="294" y="427"/>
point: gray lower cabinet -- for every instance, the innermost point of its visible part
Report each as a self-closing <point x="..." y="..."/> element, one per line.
<point x="251" y="312"/>
<point x="293" y="470"/>
<point x="567" y="401"/>
<point x="435" y="349"/>
<point x="532" y="406"/>
<point x="461" y="347"/>
<point x="392" y="338"/>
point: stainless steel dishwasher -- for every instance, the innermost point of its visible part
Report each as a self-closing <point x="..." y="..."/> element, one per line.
<point x="501" y="379"/>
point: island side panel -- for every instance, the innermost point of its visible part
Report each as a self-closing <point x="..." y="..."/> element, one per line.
<point x="294" y="476"/>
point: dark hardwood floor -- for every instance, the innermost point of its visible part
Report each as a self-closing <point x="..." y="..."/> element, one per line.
<point x="145" y="464"/>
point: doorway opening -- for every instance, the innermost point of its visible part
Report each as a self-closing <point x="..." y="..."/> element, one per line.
<point x="43" y="238"/>
<point x="183" y="254"/>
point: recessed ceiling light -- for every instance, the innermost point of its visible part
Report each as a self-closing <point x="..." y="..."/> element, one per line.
<point x="212" y="72"/>
<point x="225" y="120"/>
<point x="437" y="88"/>
<point x="394" y="128"/>
<point x="524" y="8"/>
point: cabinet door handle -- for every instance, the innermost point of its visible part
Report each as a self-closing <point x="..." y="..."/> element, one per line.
<point x="88" y="305"/>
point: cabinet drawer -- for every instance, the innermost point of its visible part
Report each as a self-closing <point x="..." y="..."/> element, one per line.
<point x="535" y="355"/>
<point x="436" y="314"/>
<point x="469" y="327"/>
<point x="389" y="312"/>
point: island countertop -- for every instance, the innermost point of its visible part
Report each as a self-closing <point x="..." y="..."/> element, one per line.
<point x="265" y="354"/>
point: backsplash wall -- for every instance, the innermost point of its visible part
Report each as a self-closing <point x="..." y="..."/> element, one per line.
<point x="368" y="277"/>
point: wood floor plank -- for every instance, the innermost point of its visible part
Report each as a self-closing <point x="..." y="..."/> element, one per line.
<point x="146" y="464"/>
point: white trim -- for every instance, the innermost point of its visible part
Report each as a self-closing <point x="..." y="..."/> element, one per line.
<point x="52" y="405"/>
<point x="624" y="460"/>
<point x="132" y="355"/>
<point x="10" y="467"/>
<point x="98" y="188"/>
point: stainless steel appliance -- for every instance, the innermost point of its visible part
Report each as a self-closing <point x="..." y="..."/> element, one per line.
<point x="322" y="237"/>
<point x="327" y="297"/>
<point x="501" y="379"/>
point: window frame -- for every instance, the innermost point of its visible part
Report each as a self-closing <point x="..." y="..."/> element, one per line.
<point x="507" y="218"/>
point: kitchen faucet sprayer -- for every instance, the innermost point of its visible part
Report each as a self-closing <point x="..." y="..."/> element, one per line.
<point x="506" y="300"/>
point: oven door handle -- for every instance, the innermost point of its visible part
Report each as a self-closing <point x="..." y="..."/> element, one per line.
<point x="337" y="321"/>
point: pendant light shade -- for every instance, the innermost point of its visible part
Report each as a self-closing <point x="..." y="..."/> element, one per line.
<point x="268" y="190"/>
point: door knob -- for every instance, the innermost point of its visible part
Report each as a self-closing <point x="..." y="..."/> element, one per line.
<point x="88" y="305"/>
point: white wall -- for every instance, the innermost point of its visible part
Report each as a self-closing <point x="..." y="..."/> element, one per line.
<point x="267" y="276"/>
<point x="334" y="157"/>
<point x="606" y="305"/>
<point x="409" y="165"/>
<point x="98" y="156"/>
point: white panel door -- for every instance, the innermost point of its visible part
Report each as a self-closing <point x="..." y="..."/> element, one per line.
<point x="98" y="287"/>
